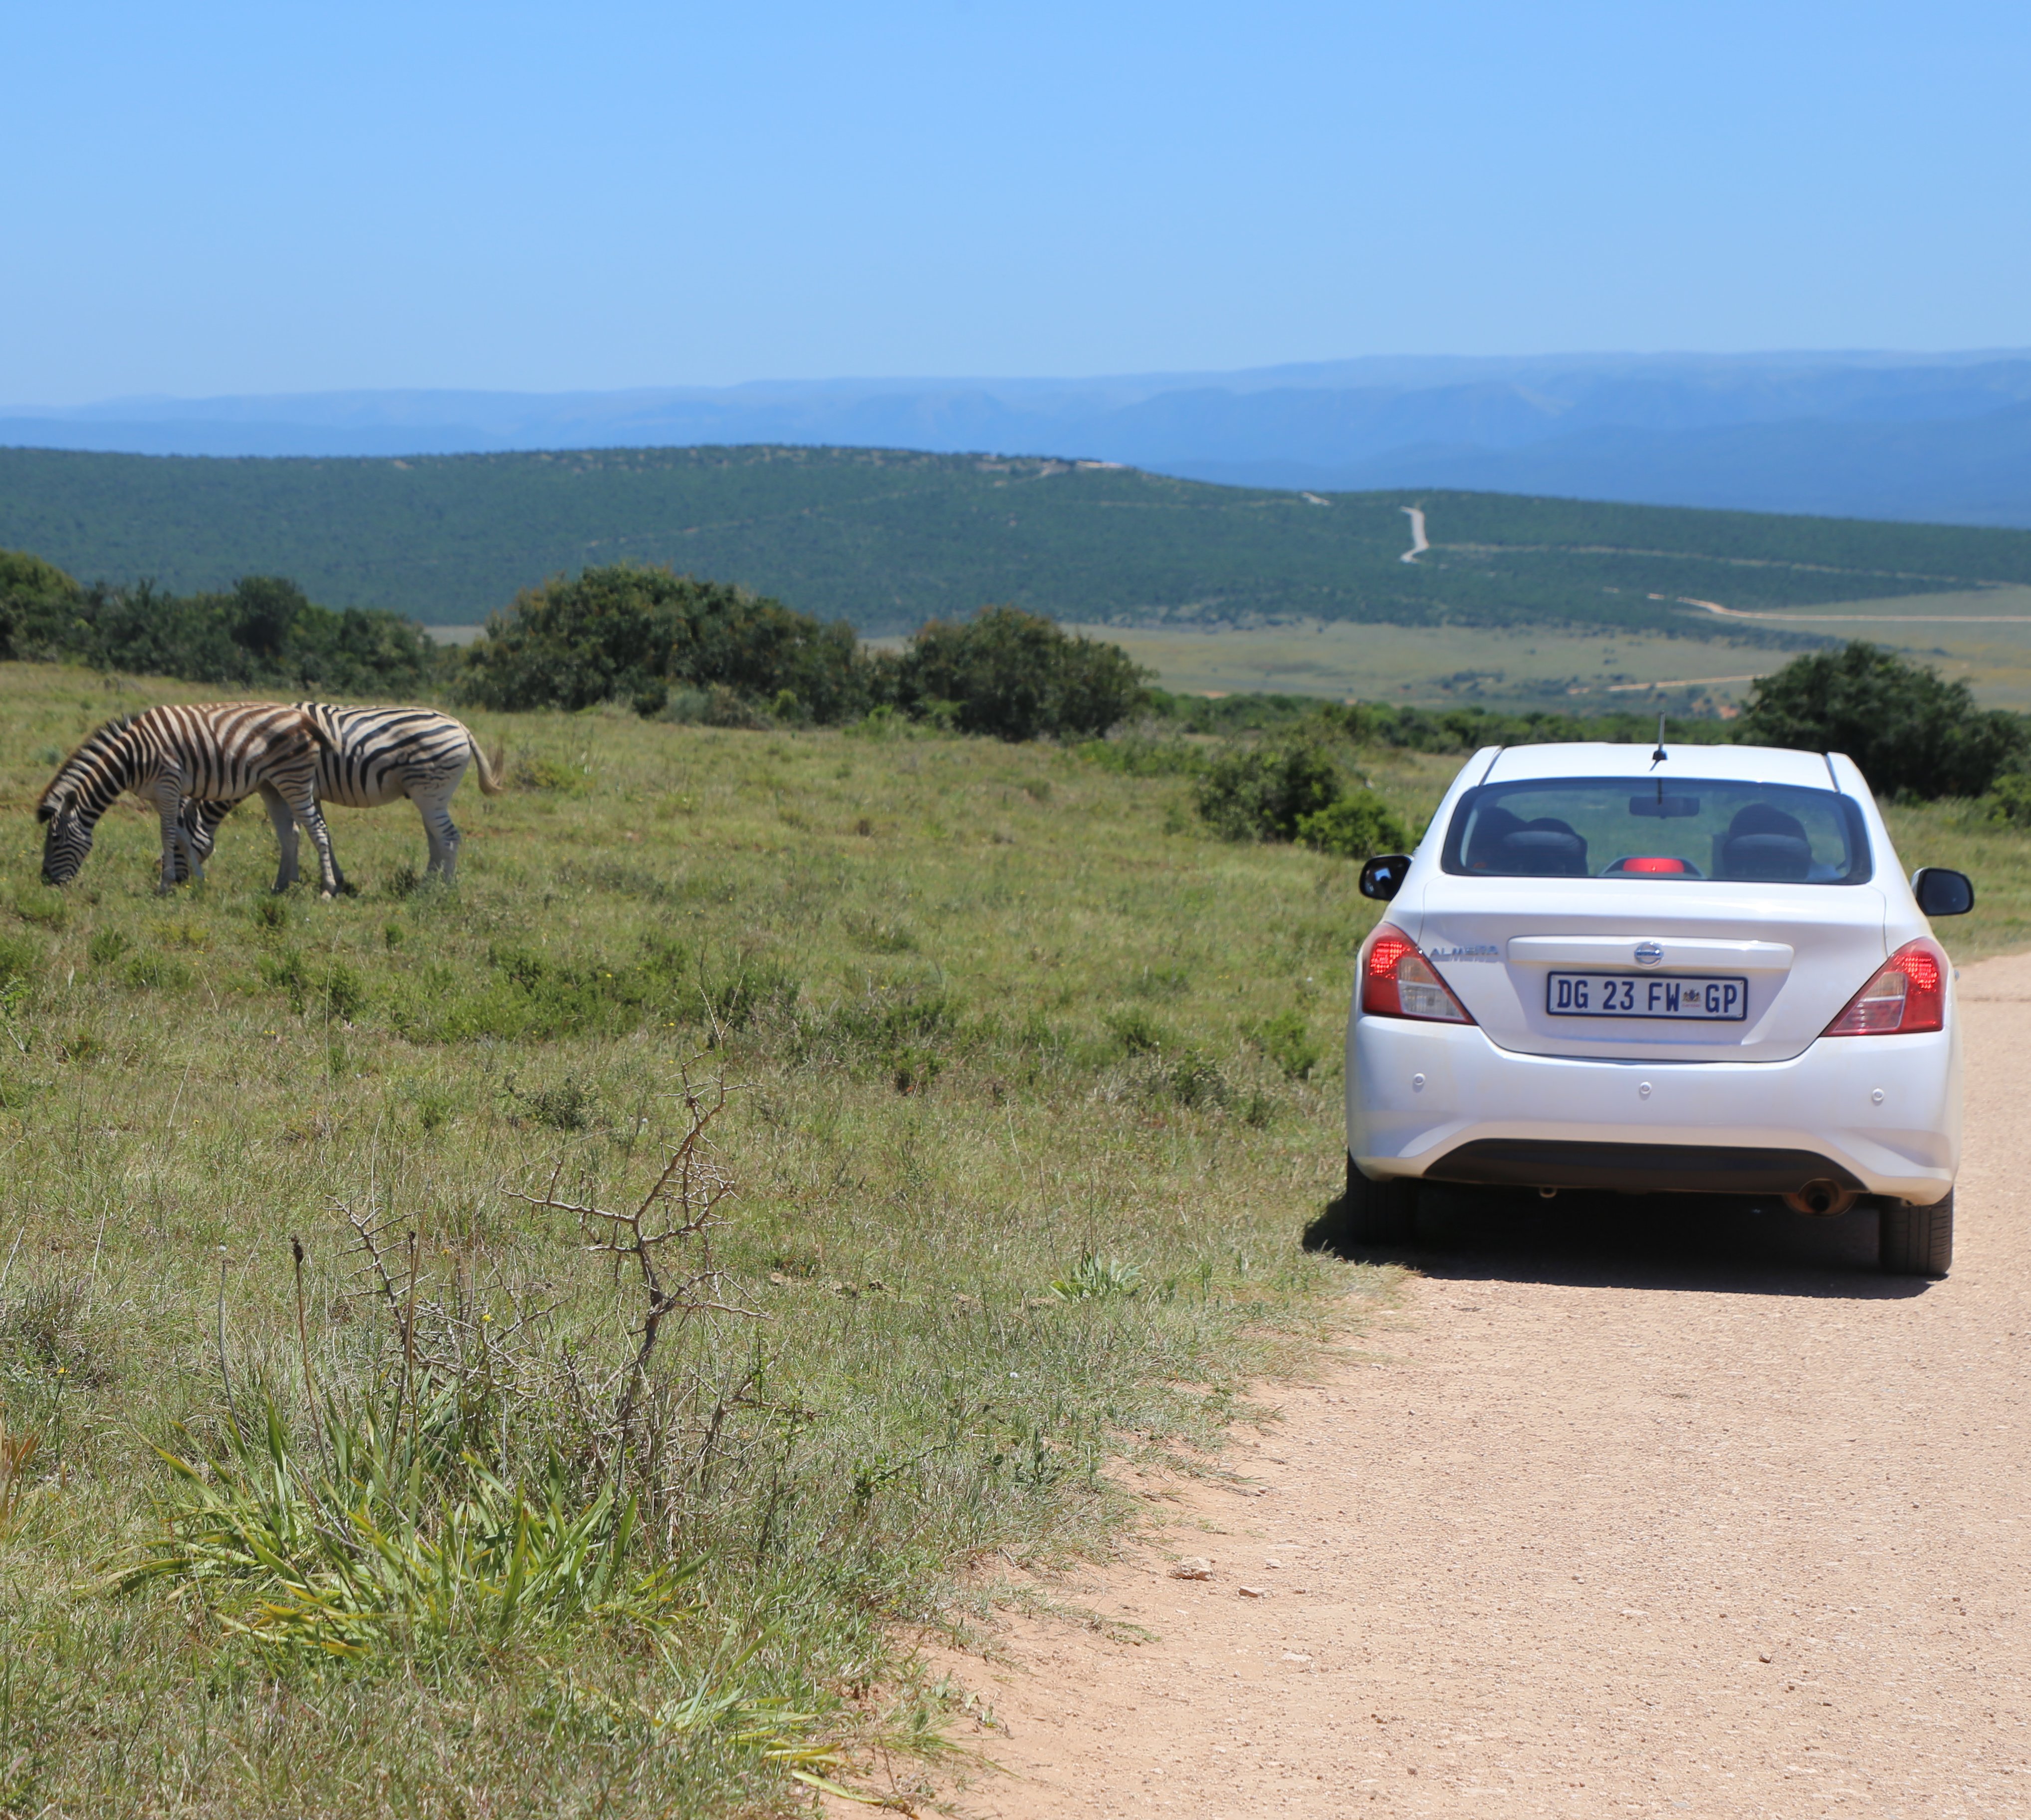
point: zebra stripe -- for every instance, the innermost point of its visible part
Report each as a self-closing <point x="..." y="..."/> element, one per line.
<point x="375" y="756"/>
<point x="219" y="751"/>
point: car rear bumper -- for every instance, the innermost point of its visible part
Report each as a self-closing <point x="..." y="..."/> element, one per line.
<point x="1880" y="1113"/>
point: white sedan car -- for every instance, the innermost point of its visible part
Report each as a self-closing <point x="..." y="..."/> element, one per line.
<point x="1694" y="970"/>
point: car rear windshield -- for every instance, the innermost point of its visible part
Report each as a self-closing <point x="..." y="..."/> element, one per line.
<point x="1655" y="828"/>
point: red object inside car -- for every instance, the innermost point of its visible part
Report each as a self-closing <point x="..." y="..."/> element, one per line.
<point x="1657" y="864"/>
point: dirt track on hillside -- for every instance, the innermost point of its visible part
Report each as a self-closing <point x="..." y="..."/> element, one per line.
<point x="1695" y="1520"/>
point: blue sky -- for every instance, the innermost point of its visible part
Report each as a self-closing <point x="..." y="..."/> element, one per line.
<point x="204" y="199"/>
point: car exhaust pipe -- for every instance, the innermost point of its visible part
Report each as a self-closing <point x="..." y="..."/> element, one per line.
<point x="1821" y="1199"/>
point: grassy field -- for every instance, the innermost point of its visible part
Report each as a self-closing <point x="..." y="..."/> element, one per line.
<point x="995" y="1021"/>
<point x="1983" y="637"/>
<point x="1556" y="667"/>
<point x="1034" y="1090"/>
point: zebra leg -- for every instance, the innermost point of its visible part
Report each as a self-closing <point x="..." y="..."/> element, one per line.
<point x="312" y="818"/>
<point x="178" y="854"/>
<point x="285" y="835"/>
<point x="441" y="831"/>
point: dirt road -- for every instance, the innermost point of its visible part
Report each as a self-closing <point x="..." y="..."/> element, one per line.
<point x="1707" y="1520"/>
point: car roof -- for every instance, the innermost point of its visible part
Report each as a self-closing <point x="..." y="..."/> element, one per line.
<point x="1598" y="758"/>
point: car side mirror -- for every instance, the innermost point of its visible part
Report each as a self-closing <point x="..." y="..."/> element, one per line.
<point x="1382" y="877"/>
<point x="1941" y="893"/>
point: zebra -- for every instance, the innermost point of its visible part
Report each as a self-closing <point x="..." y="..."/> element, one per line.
<point x="221" y="751"/>
<point x="372" y="756"/>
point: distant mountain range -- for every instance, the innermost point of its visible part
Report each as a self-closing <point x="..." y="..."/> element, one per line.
<point x="1945" y="438"/>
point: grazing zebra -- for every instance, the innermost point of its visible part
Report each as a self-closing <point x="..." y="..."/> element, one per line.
<point x="373" y="756"/>
<point x="220" y="751"/>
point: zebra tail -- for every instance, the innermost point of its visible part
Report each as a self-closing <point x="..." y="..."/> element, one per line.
<point x="326" y="744"/>
<point x="490" y="769"/>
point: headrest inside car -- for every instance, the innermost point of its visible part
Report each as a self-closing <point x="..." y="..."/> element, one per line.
<point x="1764" y="844"/>
<point x="1545" y="849"/>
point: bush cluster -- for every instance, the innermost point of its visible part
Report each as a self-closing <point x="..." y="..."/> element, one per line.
<point x="262" y="633"/>
<point x="1016" y="675"/>
<point x="1293" y="790"/>
<point x="683" y="649"/>
<point x="1465" y="728"/>
<point x="1913" y="734"/>
<point x="622" y="633"/>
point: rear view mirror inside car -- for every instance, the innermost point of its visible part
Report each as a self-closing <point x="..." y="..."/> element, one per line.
<point x="1662" y="805"/>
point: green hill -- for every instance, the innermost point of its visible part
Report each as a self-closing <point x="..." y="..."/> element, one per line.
<point x="889" y="538"/>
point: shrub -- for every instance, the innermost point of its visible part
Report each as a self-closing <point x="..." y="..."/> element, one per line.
<point x="1357" y="825"/>
<point x="1018" y="676"/>
<point x="644" y="635"/>
<point x="1141" y="754"/>
<point x="2009" y="799"/>
<point x="548" y="774"/>
<point x="344" y="991"/>
<point x="1262" y="792"/>
<point x="1137" y="1032"/>
<point x="726" y="707"/>
<point x="1912" y="733"/>
<point x="1195" y="1080"/>
<point x="1286" y="1039"/>
<point x="38" y="605"/>
<point x="263" y="632"/>
<point x="567" y="1106"/>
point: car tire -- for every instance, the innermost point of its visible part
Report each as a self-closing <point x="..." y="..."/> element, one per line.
<point x="1380" y="1212"/>
<point x="1917" y="1241"/>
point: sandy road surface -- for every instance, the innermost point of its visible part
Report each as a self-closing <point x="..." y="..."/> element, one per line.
<point x="1713" y="1521"/>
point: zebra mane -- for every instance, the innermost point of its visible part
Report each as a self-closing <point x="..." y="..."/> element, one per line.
<point x="97" y="746"/>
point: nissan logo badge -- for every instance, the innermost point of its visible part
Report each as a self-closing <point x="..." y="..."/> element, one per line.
<point x="1648" y="954"/>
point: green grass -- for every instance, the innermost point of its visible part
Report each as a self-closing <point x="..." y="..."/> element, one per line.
<point x="1566" y="670"/>
<point x="1035" y="1090"/>
<point x="1997" y="858"/>
<point x="888" y="538"/>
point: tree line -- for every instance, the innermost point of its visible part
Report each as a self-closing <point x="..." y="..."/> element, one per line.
<point x="670" y="646"/>
<point x="676" y="648"/>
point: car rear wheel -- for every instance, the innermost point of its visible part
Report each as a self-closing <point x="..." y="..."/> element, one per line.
<point x="1377" y="1212"/>
<point x="1917" y="1241"/>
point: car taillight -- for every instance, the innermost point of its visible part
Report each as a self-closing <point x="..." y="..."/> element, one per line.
<point x="1396" y="981"/>
<point x="1909" y="993"/>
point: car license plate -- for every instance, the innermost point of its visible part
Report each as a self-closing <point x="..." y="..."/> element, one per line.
<point x="1699" y="999"/>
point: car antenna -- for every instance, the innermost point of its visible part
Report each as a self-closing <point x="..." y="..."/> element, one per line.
<point x="1658" y="757"/>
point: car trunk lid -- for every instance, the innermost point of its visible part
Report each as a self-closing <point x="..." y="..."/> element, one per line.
<point x="1518" y="952"/>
